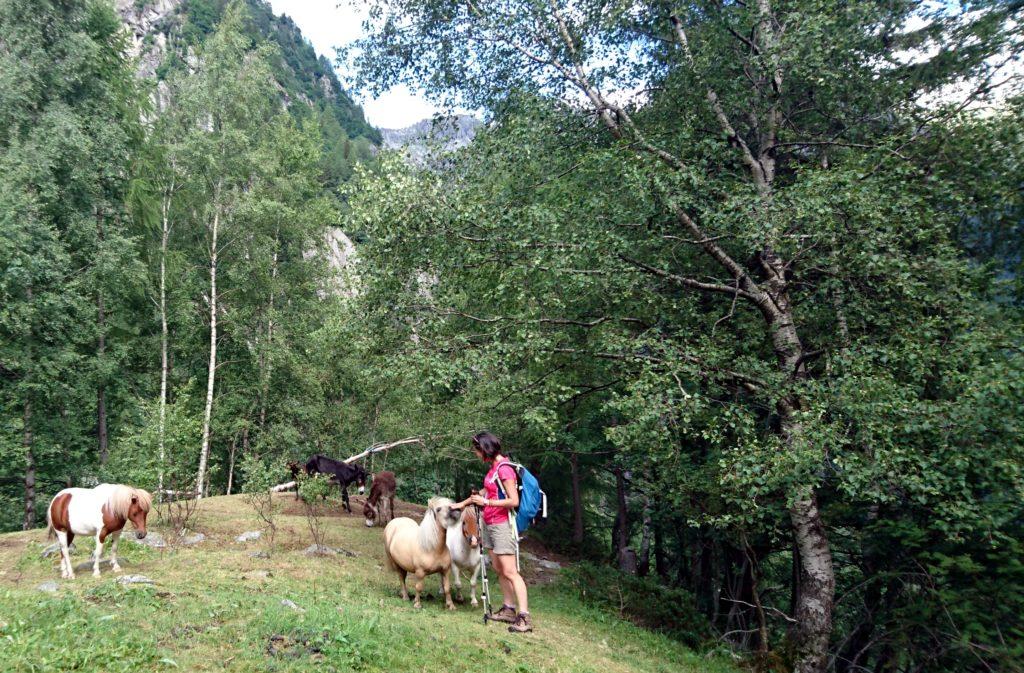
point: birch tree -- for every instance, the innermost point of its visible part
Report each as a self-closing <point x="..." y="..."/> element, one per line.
<point x="227" y="102"/>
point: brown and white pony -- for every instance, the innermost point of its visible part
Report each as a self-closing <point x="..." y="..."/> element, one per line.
<point x="100" y="512"/>
<point x="421" y="549"/>
<point x="380" y="505"/>
<point x="464" y="546"/>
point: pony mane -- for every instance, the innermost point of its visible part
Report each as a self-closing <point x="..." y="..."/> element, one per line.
<point x="120" y="500"/>
<point x="431" y="531"/>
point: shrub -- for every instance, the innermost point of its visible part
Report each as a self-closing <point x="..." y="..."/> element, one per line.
<point x="642" y="600"/>
<point x="260" y="476"/>
<point x="318" y="494"/>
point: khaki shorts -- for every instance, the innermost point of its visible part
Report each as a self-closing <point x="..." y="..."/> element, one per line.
<point x="499" y="537"/>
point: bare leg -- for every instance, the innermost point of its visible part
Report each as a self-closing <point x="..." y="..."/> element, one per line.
<point x="446" y="582"/>
<point x="96" y="556"/>
<point x="507" y="563"/>
<point x="113" y="551"/>
<point x="67" y="571"/>
<point x="507" y="592"/>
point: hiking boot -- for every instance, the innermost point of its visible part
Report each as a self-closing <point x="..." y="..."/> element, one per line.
<point x="522" y="624"/>
<point x="506" y="614"/>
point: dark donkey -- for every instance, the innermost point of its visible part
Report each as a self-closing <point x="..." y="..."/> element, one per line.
<point x="341" y="472"/>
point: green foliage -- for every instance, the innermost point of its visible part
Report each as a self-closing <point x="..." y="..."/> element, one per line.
<point x="640" y="599"/>
<point x="308" y="82"/>
<point x="732" y="312"/>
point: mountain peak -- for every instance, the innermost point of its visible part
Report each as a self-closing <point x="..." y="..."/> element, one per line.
<point x="433" y="136"/>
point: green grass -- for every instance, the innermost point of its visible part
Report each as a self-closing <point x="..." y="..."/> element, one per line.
<point x="209" y="612"/>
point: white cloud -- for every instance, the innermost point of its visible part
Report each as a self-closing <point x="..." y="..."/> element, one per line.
<point x="327" y="25"/>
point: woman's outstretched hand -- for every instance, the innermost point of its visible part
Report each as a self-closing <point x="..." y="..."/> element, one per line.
<point x="476" y="499"/>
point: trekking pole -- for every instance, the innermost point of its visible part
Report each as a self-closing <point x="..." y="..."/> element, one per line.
<point x="485" y="587"/>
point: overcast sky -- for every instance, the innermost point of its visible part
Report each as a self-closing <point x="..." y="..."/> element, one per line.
<point x="328" y="26"/>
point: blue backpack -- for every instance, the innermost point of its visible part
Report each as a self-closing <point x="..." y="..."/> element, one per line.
<point x="533" y="502"/>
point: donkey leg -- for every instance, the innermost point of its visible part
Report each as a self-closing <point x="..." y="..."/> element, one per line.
<point x="113" y="551"/>
<point x="344" y="499"/>
<point x="67" y="571"/>
<point x="96" y="555"/>
<point x="447" y="584"/>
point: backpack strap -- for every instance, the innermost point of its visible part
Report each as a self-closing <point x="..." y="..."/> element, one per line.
<point x="497" y="482"/>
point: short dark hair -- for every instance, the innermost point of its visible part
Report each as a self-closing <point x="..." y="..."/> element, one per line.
<point x="487" y="444"/>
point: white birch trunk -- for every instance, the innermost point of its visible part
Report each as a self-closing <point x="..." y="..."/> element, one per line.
<point x="204" y="454"/>
<point x="164" y="235"/>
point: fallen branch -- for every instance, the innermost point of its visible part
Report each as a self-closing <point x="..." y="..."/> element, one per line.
<point x="376" y="448"/>
<point x="383" y="447"/>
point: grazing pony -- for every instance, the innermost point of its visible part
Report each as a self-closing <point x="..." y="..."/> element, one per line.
<point x="342" y="472"/>
<point x="464" y="546"/>
<point x="381" y="503"/>
<point x="421" y="548"/>
<point x="100" y="512"/>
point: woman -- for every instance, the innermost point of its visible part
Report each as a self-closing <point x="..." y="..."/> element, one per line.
<point x="498" y="535"/>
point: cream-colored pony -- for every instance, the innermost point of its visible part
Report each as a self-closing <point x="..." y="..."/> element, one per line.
<point x="421" y="549"/>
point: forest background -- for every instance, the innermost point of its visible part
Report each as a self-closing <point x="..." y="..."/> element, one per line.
<point x="740" y="282"/>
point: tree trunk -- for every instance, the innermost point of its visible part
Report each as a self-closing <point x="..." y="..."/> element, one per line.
<point x="816" y="590"/>
<point x="29" y="521"/>
<point x="817" y="585"/>
<point x="101" y="393"/>
<point x="231" y="464"/>
<point x="577" y="500"/>
<point x="204" y="454"/>
<point x="265" y="357"/>
<point x="644" y="560"/>
<point x="625" y="557"/>
<point x="101" y="349"/>
<point x="164" y="235"/>
<point x="660" y="560"/>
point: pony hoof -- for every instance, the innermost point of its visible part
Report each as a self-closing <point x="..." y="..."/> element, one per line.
<point x="451" y="606"/>
<point x="116" y="569"/>
<point x="95" y="573"/>
<point x="417" y="605"/>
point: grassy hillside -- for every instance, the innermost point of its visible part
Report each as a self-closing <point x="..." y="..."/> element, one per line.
<point x="215" y="607"/>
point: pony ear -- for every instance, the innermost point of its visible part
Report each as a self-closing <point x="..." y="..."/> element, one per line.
<point x="135" y="498"/>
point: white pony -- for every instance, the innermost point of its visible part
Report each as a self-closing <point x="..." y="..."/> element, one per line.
<point x="421" y="548"/>
<point x="464" y="546"/>
<point x="100" y="512"/>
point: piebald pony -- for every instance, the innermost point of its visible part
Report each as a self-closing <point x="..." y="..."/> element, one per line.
<point x="100" y="512"/>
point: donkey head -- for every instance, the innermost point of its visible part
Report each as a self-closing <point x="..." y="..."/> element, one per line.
<point x="370" y="513"/>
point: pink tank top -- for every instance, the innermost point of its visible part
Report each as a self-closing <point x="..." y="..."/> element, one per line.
<point x="492" y="514"/>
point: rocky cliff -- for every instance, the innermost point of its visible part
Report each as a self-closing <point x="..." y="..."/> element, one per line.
<point x="427" y="141"/>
